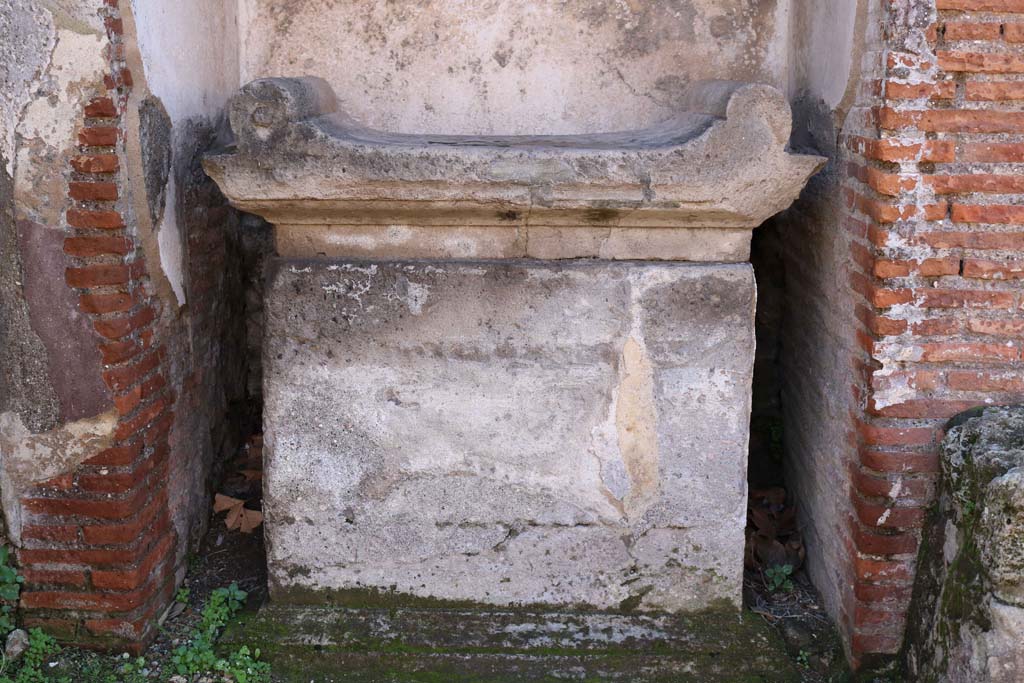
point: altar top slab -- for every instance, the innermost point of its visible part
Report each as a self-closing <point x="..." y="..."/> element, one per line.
<point x="721" y="163"/>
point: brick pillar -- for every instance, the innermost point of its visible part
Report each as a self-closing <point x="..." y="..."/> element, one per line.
<point x="98" y="545"/>
<point x="935" y="210"/>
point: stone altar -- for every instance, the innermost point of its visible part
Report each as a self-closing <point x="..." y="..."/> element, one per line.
<point x="509" y="370"/>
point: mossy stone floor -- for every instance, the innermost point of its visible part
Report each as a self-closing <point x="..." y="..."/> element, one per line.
<point x="309" y="644"/>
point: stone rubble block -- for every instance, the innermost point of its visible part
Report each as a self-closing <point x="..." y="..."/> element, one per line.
<point x="1001" y="535"/>
<point x="508" y="433"/>
<point x="967" y="619"/>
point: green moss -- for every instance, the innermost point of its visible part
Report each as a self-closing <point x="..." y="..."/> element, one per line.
<point x="963" y="592"/>
<point x="721" y="644"/>
<point x="371" y="597"/>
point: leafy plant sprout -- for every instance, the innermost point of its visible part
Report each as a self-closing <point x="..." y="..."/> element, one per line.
<point x="779" y="578"/>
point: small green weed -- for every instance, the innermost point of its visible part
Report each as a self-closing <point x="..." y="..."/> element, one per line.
<point x="41" y="647"/>
<point x="198" y="656"/>
<point x="778" y="577"/>
<point x="244" y="666"/>
<point x="10" y="589"/>
<point x="133" y="670"/>
<point x="182" y="596"/>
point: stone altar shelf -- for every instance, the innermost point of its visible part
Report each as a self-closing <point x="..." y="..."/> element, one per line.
<point x="457" y="413"/>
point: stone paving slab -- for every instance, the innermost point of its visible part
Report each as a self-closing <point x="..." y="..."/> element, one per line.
<point x="326" y="644"/>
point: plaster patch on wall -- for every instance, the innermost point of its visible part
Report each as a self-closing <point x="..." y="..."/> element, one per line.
<point x="894" y="389"/>
<point x="170" y="241"/>
<point x="28" y="34"/>
<point x="76" y="58"/>
<point x="636" y="420"/>
<point x="47" y="124"/>
<point x="821" y="36"/>
<point x="626" y="443"/>
<point x="413" y="294"/>
<point x="27" y="458"/>
<point x="184" y="58"/>
<point x="171" y="35"/>
<point x="76" y="15"/>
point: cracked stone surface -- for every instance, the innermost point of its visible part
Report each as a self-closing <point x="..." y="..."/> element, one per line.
<point x="513" y="433"/>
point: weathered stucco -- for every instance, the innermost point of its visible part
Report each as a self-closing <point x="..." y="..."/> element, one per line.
<point x="569" y="66"/>
<point x="56" y="410"/>
<point x="54" y="407"/>
<point x="30" y="458"/>
<point x="509" y="433"/>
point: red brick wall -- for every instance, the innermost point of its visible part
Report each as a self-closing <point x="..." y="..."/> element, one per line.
<point x="98" y="547"/>
<point x="935" y="222"/>
<point x="104" y="545"/>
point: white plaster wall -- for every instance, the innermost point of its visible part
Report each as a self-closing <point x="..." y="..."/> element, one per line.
<point x="503" y="66"/>
<point x="823" y="49"/>
<point x="189" y="54"/>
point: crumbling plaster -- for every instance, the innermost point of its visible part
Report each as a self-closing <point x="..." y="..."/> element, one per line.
<point x="57" y="64"/>
<point x="54" y="409"/>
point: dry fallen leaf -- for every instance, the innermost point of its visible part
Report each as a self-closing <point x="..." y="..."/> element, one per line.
<point x="249" y="461"/>
<point x="773" y="535"/>
<point x="238" y="517"/>
<point x="222" y="502"/>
